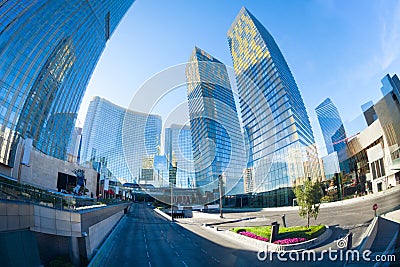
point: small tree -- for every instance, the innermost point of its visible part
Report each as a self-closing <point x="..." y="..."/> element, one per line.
<point x="308" y="198"/>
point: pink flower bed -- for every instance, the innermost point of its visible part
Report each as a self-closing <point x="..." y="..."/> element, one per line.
<point x="289" y="241"/>
<point x="248" y="234"/>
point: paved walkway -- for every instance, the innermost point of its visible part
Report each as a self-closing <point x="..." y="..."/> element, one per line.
<point x="393" y="216"/>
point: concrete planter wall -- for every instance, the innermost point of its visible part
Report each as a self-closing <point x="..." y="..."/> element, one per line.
<point x="267" y="246"/>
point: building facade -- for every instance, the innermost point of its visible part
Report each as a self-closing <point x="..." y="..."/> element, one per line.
<point x="179" y="154"/>
<point x="102" y="135"/>
<point x="369" y="112"/>
<point x="374" y="153"/>
<point x="331" y="126"/>
<point x="218" y="145"/>
<point x="331" y="165"/>
<point x="280" y="138"/>
<point x="48" y="50"/>
<point x="74" y="145"/>
<point x="390" y="85"/>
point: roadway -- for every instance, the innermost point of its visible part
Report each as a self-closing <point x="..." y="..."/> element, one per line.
<point x="147" y="239"/>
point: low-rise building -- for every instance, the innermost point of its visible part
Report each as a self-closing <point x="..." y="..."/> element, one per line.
<point x="374" y="153"/>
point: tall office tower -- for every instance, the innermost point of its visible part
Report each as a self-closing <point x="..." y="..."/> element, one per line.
<point x="369" y="112"/>
<point x="161" y="170"/>
<point x="218" y="146"/>
<point x="102" y="135"/>
<point x="390" y="84"/>
<point x="331" y="126"/>
<point x="280" y="138"/>
<point x="74" y="145"/>
<point x="48" y="50"/>
<point x="179" y="154"/>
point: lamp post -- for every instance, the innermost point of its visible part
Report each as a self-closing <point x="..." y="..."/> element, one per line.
<point x="220" y="183"/>
<point x="172" y="212"/>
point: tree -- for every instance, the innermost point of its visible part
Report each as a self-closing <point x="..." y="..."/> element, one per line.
<point x="308" y="197"/>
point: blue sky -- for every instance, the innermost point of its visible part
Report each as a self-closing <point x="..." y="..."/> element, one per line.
<point x="339" y="49"/>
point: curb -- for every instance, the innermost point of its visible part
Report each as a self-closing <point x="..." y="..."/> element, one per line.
<point x="102" y="253"/>
<point x="166" y="216"/>
<point x="369" y="235"/>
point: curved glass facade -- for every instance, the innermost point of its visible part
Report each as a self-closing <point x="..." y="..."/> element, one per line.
<point x="102" y="140"/>
<point x="48" y="50"/>
<point x="277" y="128"/>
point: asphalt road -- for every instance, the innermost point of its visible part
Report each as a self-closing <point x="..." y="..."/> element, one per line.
<point x="147" y="239"/>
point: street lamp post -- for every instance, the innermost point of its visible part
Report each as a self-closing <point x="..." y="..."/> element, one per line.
<point x="220" y="183"/>
<point x="172" y="212"/>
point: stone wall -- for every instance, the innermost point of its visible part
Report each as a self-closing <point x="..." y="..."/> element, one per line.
<point x="98" y="232"/>
<point x="43" y="171"/>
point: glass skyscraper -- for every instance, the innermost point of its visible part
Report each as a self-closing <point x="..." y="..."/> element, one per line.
<point x="390" y="84"/>
<point x="278" y="133"/>
<point x="102" y="139"/>
<point x="331" y="126"/>
<point x="48" y="50"/>
<point x="179" y="154"/>
<point x="218" y="147"/>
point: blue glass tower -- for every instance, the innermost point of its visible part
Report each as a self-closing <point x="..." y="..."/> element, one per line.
<point x="48" y="50"/>
<point x="179" y="153"/>
<point x="102" y="141"/>
<point x="218" y="146"/>
<point x="278" y="131"/>
<point x="331" y="126"/>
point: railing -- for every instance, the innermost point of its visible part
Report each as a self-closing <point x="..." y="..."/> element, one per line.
<point x="27" y="193"/>
<point x="12" y="190"/>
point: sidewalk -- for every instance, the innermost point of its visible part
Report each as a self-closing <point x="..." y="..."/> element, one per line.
<point x="393" y="216"/>
<point x="229" y="213"/>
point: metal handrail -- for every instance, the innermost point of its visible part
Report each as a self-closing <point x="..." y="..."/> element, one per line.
<point x="32" y="194"/>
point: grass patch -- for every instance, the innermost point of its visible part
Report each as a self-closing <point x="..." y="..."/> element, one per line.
<point x="285" y="232"/>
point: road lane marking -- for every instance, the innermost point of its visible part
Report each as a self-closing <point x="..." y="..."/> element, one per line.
<point x="215" y="259"/>
<point x="171" y="246"/>
<point x="149" y="264"/>
<point x="148" y="256"/>
<point x="177" y="254"/>
<point x="204" y="251"/>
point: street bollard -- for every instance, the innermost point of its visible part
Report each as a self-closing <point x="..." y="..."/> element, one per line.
<point x="284" y="220"/>
<point x="349" y="241"/>
<point x="274" y="231"/>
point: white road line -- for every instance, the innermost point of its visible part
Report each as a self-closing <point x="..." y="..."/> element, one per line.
<point x="149" y="264"/>
<point x="215" y="259"/>
<point x="204" y="251"/>
<point x="184" y="263"/>
<point x="171" y="246"/>
<point x="148" y="256"/>
<point x="177" y="254"/>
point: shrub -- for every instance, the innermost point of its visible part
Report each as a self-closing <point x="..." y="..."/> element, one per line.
<point x="254" y="236"/>
<point x="288" y="241"/>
